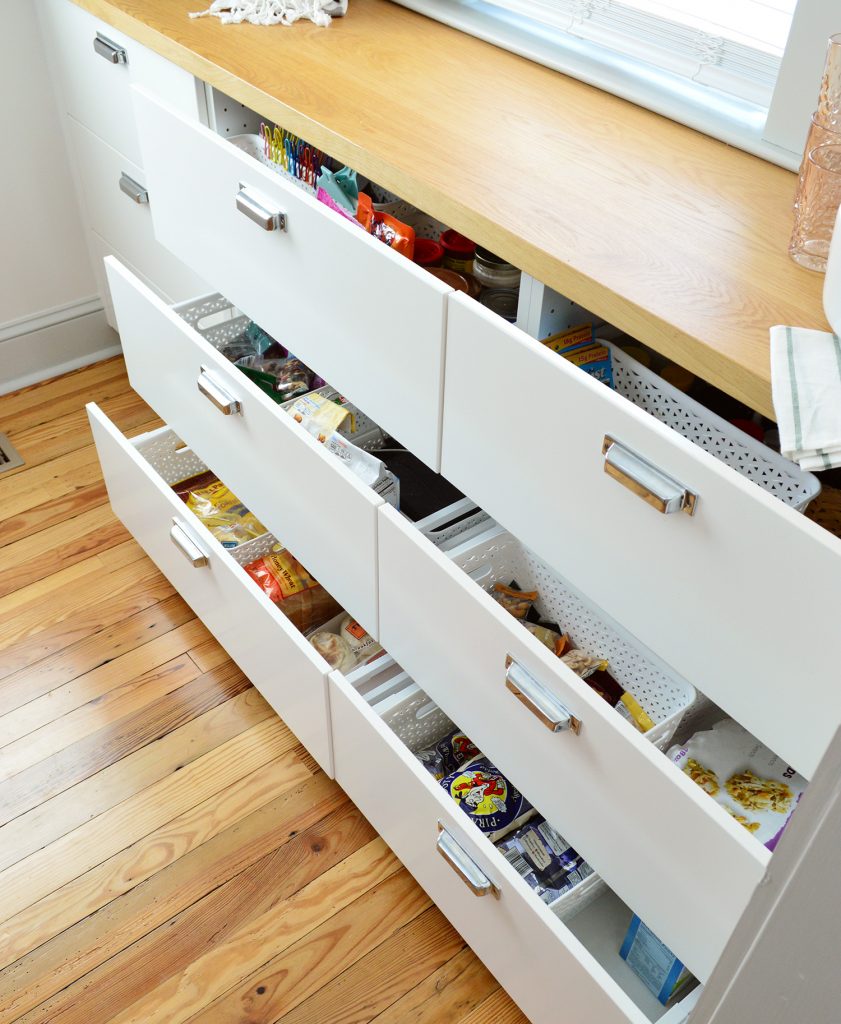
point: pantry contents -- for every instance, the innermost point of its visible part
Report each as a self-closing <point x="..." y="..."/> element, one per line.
<point x="487" y="797"/>
<point x="747" y="779"/>
<point x="448" y="754"/>
<point x="541" y="855"/>
<point x="458" y="252"/>
<point x="370" y="470"/>
<point x="493" y="272"/>
<point x="210" y="501"/>
<point x="320" y="415"/>
<point x="345" y="645"/>
<point x="655" y="964"/>
<point x="288" y="585"/>
<point x="593" y="669"/>
<point x="386" y="228"/>
<point x="422" y="491"/>
<point x="502" y="302"/>
<point x="578" y="345"/>
<point x="428" y="252"/>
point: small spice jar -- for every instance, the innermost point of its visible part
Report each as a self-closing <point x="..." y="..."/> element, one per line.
<point x="493" y="272"/>
<point x="458" y="252"/>
<point x="428" y="252"/>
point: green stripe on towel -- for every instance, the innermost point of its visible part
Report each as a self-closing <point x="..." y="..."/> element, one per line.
<point x="795" y="398"/>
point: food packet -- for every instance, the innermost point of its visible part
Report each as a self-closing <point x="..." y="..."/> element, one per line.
<point x="320" y="415"/>
<point x="544" y="859"/>
<point x="288" y="584"/>
<point x="556" y="641"/>
<point x="431" y="759"/>
<point x="370" y="470"/>
<point x="455" y="749"/>
<point x="747" y="779"/>
<point x="335" y="650"/>
<point x="388" y="229"/>
<point x="618" y="697"/>
<point x="579" y="346"/>
<point x="363" y="646"/>
<point x="515" y="601"/>
<point x="222" y="512"/>
<point x="583" y="664"/>
<point x="487" y="797"/>
<point x="654" y="963"/>
<point x="264" y="343"/>
<point x="293" y="379"/>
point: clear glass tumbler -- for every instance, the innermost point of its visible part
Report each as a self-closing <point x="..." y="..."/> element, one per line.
<point x="816" y="206"/>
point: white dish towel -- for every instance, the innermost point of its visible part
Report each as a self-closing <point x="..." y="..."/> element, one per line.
<point x="806" y="387"/>
<point x="274" y="12"/>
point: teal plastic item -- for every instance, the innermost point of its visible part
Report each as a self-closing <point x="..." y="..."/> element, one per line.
<point x="341" y="186"/>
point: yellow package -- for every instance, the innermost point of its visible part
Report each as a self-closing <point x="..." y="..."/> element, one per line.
<point x="321" y="416"/>
<point x="230" y="522"/>
<point x="572" y="336"/>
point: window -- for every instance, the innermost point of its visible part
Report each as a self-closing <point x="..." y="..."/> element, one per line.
<point x="745" y="71"/>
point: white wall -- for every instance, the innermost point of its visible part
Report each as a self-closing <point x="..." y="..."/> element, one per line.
<point x="45" y="270"/>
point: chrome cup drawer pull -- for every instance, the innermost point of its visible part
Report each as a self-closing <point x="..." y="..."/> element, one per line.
<point x="133" y="189"/>
<point x="225" y="402"/>
<point x="111" y="51"/>
<point x="255" y="209"/>
<point x="187" y="546"/>
<point x="545" y="706"/>
<point x="644" y="479"/>
<point x="468" y="871"/>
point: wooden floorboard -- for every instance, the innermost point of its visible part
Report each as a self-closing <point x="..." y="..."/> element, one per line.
<point x="169" y="853"/>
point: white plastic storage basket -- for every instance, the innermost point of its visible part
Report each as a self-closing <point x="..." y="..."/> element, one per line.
<point x="166" y="453"/>
<point x="497" y="557"/>
<point x="727" y="443"/>
<point x="420" y="723"/>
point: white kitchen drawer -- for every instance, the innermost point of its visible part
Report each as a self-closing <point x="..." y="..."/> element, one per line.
<point x="94" y="90"/>
<point x="99" y="250"/>
<point x="528" y="949"/>
<point x="367" y="319"/>
<point x="303" y="494"/>
<point x="258" y="636"/>
<point x="648" y="829"/>
<point x="732" y="597"/>
<point x="124" y="224"/>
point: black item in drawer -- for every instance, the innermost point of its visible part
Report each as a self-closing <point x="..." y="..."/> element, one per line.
<point x="422" y="491"/>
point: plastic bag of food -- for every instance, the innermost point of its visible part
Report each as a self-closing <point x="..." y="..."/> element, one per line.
<point x="320" y="415"/>
<point x="618" y="697"/>
<point x="335" y="650"/>
<point x="431" y="759"/>
<point x="487" y="797"/>
<point x="750" y="782"/>
<point x="364" y="647"/>
<point x="583" y="664"/>
<point x="230" y="522"/>
<point x="293" y="379"/>
<point x="288" y="584"/>
<point x="557" y="642"/>
<point x="388" y="229"/>
<point x="456" y="749"/>
<point x="515" y="601"/>
<point x="544" y="859"/>
<point x="370" y="470"/>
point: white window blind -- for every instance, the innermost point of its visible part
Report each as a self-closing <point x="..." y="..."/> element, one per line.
<point x="735" y="46"/>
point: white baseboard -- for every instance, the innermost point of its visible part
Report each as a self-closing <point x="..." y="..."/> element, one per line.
<point x="53" y="342"/>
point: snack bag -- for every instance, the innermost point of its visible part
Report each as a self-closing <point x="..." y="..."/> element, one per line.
<point x="367" y="467"/>
<point x="583" y="664"/>
<point x="431" y="759"/>
<point x="222" y="512"/>
<point x="654" y="963"/>
<point x="625" y="703"/>
<point x="320" y="415"/>
<point x="579" y="346"/>
<point x="455" y="750"/>
<point x="335" y="650"/>
<point x="288" y="584"/>
<point x="487" y="797"/>
<point x="544" y="859"/>
<point x="515" y="601"/>
<point x="749" y="781"/>
<point x="556" y="641"/>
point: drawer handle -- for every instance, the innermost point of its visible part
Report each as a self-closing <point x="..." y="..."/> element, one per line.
<point x="111" y="51"/>
<point x="645" y="480"/>
<point x="269" y="220"/>
<point x="133" y="189"/>
<point x="468" y="871"/>
<point x="223" y="400"/>
<point x="544" y="705"/>
<point x="187" y="546"/>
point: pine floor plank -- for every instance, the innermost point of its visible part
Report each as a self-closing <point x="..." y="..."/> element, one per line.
<point x="169" y="853"/>
<point x="59" y="815"/>
<point x="115" y="673"/>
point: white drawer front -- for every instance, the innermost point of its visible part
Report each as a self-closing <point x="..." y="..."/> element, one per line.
<point x="365" y="318"/>
<point x="303" y="494"/>
<point x="528" y="950"/>
<point x="266" y="646"/>
<point x="96" y="91"/>
<point x="646" y="827"/>
<point x="123" y="223"/>
<point x="732" y="597"/>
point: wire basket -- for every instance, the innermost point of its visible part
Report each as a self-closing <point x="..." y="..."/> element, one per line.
<point x="666" y="697"/>
<point x="715" y="435"/>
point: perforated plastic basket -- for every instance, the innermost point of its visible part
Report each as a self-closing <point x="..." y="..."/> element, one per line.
<point x="754" y="460"/>
<point x="664" y="695"/>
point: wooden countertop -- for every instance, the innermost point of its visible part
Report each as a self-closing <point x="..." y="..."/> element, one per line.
<point x="675" y="238"/>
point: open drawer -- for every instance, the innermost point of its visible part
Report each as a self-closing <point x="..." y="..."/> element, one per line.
<point x="367" y="319"/>
<point x="707" y="591"/>
<point x="530" y="948"/>
<point x="268" y="648"/>
<point x="648" y="829"/>
<point x="304" y="495"/>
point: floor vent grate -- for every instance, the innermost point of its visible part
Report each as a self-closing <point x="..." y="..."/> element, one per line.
<point x="9" y="456"/>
